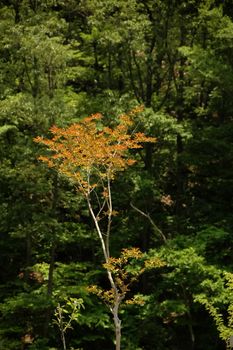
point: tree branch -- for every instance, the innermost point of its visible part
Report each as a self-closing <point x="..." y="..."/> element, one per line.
<point x="146" y="215"/>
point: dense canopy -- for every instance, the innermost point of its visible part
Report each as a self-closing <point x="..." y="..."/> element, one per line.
<point x="127" y="222"/>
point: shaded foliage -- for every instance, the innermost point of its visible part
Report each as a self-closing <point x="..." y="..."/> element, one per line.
<point x="63" y="60"/>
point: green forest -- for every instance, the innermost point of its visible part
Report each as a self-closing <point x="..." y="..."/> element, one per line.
<point x="116" y="176"/>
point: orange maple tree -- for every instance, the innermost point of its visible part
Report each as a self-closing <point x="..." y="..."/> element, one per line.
<point x="90" y="154"/>
<point x="84" y="152"/>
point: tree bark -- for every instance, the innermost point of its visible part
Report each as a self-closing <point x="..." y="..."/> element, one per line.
<point x="117" y="323"/>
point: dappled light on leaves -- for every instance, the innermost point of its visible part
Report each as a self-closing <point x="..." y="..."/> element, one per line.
<point x="126" y="270"/>
<point x="88" y="154"/>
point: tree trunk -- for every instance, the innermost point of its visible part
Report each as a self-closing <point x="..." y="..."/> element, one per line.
<point x="118" y="334"/>
<point x="117" y="324"/>
<point x="63" y="340"/>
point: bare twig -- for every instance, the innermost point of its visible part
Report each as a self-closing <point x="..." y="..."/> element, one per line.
<point x="146" y="215"/>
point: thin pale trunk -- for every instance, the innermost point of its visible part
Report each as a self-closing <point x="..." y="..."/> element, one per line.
<point x="117" y="323"/>
<point x="109" y="203"/>
<point x="61" y="328"/>
<point x="63" y="340"/>
<point x="105" y="249"/>
<point x="103" y="245"/>
<point x="97" y="229"/>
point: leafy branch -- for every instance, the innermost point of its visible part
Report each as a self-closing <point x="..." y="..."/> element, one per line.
<point x="71" y="308"/>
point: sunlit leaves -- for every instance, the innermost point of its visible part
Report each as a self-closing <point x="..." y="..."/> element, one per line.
<point x="126" y="270"/>
<point x="89" y="154"/>
<point x="220" y="306"/>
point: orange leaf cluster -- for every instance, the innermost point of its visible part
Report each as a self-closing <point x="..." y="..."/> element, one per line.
<point x="87" y="153"/>
<point x="126" y="269"/>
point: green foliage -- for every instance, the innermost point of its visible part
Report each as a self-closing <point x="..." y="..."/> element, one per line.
<point x="72" y="309"/>
<point x="219" y="306"/>
<point x="63" y="60"/>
